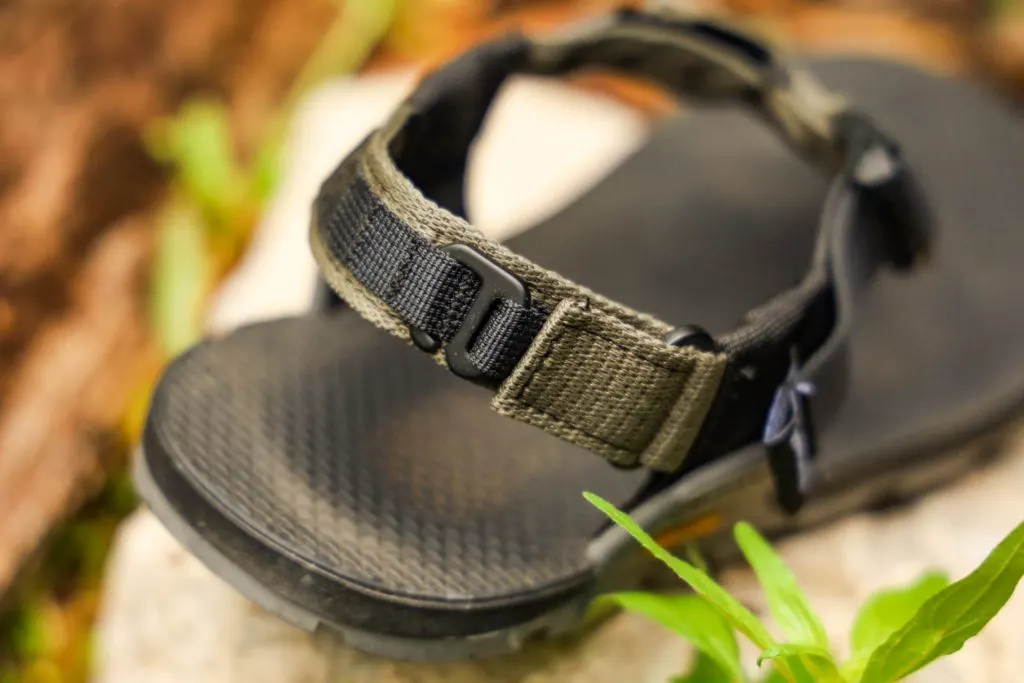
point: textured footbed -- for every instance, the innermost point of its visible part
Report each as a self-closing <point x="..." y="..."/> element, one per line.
<point x="351" y="456"/>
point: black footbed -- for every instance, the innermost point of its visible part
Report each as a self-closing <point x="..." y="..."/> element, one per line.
<point x="324" y="455"/>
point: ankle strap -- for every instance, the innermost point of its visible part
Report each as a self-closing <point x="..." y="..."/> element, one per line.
<point x="389" y="234"/>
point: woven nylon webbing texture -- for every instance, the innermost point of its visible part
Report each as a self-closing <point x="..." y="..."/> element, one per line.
<point x="597" y="382"/>
<point x="580" y="373"/>
<point x="425" y="286"/>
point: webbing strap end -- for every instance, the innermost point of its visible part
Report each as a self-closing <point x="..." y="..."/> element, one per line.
<point x="599" y="383"/>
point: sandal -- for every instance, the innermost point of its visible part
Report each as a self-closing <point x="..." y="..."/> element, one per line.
<point x="338" y="477"/>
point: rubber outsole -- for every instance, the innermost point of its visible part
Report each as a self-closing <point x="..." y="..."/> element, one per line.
<point x="734" y="489"/>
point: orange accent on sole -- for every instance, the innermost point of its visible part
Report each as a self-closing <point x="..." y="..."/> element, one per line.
<point x="690" y="531"/>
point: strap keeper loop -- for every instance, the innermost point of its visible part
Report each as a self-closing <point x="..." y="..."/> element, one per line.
<point x="874" y="164"/>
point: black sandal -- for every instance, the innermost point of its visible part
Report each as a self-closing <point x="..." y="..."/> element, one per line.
<point x="338" y="477"/>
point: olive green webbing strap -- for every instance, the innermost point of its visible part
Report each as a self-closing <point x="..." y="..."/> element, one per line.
<point x="597" y="374"/>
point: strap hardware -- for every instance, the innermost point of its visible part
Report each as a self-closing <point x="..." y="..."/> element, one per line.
<point x="496" y="283"/>
<point x="790" y="440"/>
<point x="874" y="164"/>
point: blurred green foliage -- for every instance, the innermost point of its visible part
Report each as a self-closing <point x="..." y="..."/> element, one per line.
<point x="46" y="632"/>
<point x="215" y="199"/>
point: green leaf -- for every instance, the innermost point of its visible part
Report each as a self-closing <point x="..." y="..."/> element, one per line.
<point x="883" y="614"/>
<point x="695" y="620"/>
<point x="198" y="142"/>
<point x="728" y="606"/>
<point x="814" y="663"/>
<point x="788" y="604"/>
<point x="952" y="616"/>
<point x="264" y="173"/>
<point x="347" y="43"/>
<point x="695" y="557"/>
<point x="30" y="636"/>
<point x="705" y="670"/>
<point x="182" y="273"/>
<point x="888" y="610"/>
<point x="774" y="676"/>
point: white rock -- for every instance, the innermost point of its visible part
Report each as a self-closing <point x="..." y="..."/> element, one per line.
<point x="168" y="619"/>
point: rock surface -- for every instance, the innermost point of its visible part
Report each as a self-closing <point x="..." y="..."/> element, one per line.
<point x="167" y="619"/>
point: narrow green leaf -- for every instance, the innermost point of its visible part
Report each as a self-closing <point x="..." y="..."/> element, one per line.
<point x="198" y="142"/>
<point x="695" y="620"/>
<point x="952" y="616"/>
<point x="815" y="663"/>
<point x="695" y="557"/>
<point x="788" y="604"/>
<point x="264" y="173"/>
<point x="889" y="610"/>
<point x="705" y="670"/>
<point x="774" y="676"/>
<point x="729" y="607"/>
<point x="347" y="43"/>
<point x="883" y="614"/>
<point x="180" y="278"/>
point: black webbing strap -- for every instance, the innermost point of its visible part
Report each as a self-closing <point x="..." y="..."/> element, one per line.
<point x="428" y="288"/>
<point x="565" y="359"/>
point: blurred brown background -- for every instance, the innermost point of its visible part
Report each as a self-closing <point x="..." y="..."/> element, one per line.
<point x="137" y="140"/>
